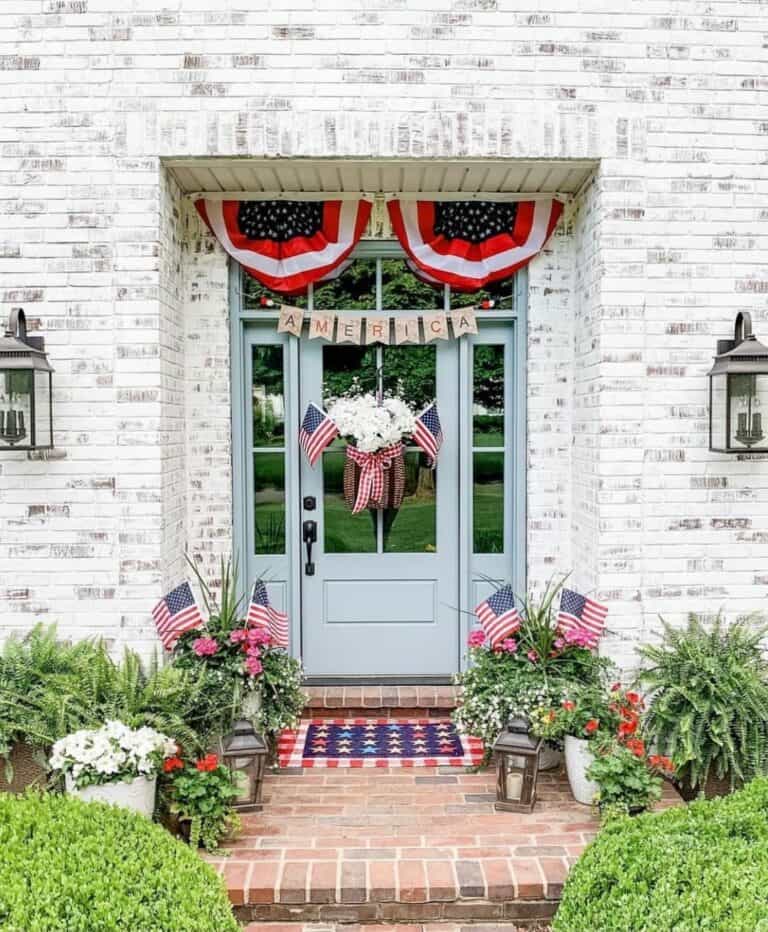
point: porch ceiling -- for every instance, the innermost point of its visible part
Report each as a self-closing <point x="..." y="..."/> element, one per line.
<point x="503" y="179"/>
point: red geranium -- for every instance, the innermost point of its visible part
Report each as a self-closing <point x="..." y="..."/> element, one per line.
<point x="172" y="763"/>
<point x="626" y="729"/>
<point x="568" y="705"/>
<point x="636" y="746"/>
<point x="633" y="698"/>
<point x="661" y="763"/>
<point x="209" y="762"/>
<point x="592" y="725"/>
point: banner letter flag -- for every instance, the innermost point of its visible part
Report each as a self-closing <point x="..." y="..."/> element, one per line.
<point x="376" y="330"/>
<point x="290" y="320"/>
<point x="435" y="327"/>
<point x="316" y="432"/>
<point x="287" y="245"/>
<point x="406" y="330"/>
<point x="348" y="329"/>
<point x="578" y="613"/>
<point x="464" y="322"/>
<point x="467" y="244"/>
<point x="261" y="614"/>
<point x="321" y="325"/>
<point x="498" y="616"/>
<point x="428" y="432"/>
<point x="176" y="613"/>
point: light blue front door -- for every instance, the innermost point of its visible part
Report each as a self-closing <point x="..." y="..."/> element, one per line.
<point x="383" y="596"/>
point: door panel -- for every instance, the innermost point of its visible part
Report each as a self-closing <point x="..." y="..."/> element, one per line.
<point x="384" y="598"/>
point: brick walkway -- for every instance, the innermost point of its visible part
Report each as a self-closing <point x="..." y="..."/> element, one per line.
<point x="402" y="845"/>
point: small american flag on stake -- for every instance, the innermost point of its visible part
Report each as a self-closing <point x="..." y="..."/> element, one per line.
<point x="498" y="615"/>
<point x="176" y="613"/>
<point x="577" y="611"/>
<point x="316" y="432"/>
<point x="261" y="613"/>
<point x="428" y="432"/>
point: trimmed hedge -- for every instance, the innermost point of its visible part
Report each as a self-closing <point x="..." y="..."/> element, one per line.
<point x="71" y="866"/>
<point x="691" y="868"/>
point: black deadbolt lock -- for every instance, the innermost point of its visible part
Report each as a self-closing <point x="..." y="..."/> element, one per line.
<point x="310" y="503"/>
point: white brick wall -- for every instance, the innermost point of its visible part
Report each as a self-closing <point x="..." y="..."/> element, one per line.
<point x="649" y="269"/>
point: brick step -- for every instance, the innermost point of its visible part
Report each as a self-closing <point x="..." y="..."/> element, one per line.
<point x="386" y="701"/>
<point x="414" y="845"/>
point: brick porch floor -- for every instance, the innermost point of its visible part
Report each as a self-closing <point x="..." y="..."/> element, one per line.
<point x="418" y="845"/>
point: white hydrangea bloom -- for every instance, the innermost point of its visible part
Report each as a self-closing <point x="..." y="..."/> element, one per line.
<point x="372" y="426"/>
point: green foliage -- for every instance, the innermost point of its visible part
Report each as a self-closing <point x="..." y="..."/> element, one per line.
<point x="201" y="792"/>
<point x="691" y="868"/>
<point x="626" y="781"/>
<point x="50" y="688"/>
<point x="709" y="699"/>
<point x="586" y="711"/>
<point x="70" y="866"/>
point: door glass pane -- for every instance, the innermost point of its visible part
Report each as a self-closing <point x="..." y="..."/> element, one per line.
<point x="488" y="502"/>
<point x="256" y="297"/>
<point x="500" y="294"/>
<point x="268" y="396"/>
<point x="409" y="372"/>
<point x="348" y="369"/>
<point x="401" y="290"/>
<point x="269" y="502"/>
<point x="354" y="288"/>
<point x="488" y="396"/>
<point x="344" y="532"/>
<point x="412" y="527"/>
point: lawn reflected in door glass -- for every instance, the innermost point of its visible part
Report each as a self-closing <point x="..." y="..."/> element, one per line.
<point x="268" y="397"/>
<point x="412" y="528"/>
<point x="344" y="532"/>
<point x="488" y="396"/>
<point x="269" y="502"/>
<point x="488" y="503"/>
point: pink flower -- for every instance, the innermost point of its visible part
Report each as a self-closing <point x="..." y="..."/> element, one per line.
<point x="579" y="637"/>
<point x="238" y="636"/>
<point x="509" y="645"/>
<point x="253" y="666"/>
<point x="476" y="638"/>
<point x="559" y="643"/>
<point x="253" y="652"/>
<point x="205" y="647"/>
<point x="533" y="656"/>
<point x="258" y="636"/>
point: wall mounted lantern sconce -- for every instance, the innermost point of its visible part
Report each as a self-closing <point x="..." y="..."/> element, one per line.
<point x="26" y="389"/>
<point x="738" y="392"/>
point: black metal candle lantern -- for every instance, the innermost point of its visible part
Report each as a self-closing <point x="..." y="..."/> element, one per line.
<point x="26" y="389"/>
<point x="516" y="752"/>
<point x="245" y="753"/>
<point x="738" y="392"/>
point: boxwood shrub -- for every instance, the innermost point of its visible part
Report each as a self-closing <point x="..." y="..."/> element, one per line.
<point x="70" y="866"/>
<point x="690" y="868"/>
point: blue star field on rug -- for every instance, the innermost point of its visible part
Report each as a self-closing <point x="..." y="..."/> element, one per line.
<point x="378" y="742"/>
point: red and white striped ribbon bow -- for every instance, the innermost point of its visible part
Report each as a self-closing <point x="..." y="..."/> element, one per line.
<point x="372" y="466"/>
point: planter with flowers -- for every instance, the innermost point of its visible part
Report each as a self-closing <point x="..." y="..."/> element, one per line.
<point x="113" y="764"/>
<point x="245" y="674"/>
<point x="199" y="794"/>
<point x="537" y="667"/>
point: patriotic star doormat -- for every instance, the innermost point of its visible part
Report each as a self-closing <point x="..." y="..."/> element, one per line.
<point x="378" y="742"/>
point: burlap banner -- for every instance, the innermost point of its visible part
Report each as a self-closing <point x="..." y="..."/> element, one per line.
<point x="352" y="328"/>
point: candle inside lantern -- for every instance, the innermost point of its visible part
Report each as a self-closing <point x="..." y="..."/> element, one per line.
<point x="514" y="785"/>
<point x="20" y="424"/>
<point x="11" y="425"/>
<point x="742" y="421"/>
<point x="756" y="423"/>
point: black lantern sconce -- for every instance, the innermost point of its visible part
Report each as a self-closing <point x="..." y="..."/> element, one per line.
<point x="245" y="753"/>
<point x="26" y="389"/>
<point x="516" y="752"/>
<point x="738" y="392"/>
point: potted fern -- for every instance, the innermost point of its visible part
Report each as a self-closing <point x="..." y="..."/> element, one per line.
<point x="708" y="711"/>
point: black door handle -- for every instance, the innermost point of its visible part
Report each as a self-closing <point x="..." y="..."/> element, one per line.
<point x="309" y="536"/>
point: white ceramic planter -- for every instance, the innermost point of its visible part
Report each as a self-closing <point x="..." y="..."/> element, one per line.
<point x="137" y="794"/>
<point x="578" y="758"/>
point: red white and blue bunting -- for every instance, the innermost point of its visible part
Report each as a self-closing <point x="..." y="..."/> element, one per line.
<point x="468" y="244"/>
<point x="287" y="245"/>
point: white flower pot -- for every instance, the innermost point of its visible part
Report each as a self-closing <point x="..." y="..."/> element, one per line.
<point x="137" y="794"/>
<point x="550" y="758"/>
<point x="578" y="759"/>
